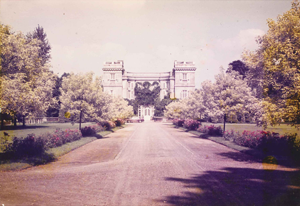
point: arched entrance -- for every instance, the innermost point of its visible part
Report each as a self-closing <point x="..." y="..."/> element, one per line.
<point x="146" y="112"/>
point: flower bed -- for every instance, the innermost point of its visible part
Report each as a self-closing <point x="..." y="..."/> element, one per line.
<point x="191" y="124"/>
<point x="211" y="130"/>
<point x="178" y="122"/>
<point x="107" y="125"/>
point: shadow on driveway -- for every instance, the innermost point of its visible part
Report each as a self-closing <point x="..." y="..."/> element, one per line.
<point x="239" y="186"/>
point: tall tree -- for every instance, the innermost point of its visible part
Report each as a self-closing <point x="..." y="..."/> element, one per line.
<point x="279" y="55"/>
<point x="53" y="110"/>
<point x="229" y="98"/>
<point x="239" y="67"/>
<point x="25" y="83"/>
<point x="44" y="46"/>
<point x="79" y="94"/>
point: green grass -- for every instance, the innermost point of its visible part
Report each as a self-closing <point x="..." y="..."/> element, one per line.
<point x="52" y="154"/>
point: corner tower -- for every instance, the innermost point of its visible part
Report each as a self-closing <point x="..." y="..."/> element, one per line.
<point x="184" y="79"/>
<point x="112" y="77"/>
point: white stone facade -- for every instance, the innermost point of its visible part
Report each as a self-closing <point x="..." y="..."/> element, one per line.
<point x="179" y="82"/>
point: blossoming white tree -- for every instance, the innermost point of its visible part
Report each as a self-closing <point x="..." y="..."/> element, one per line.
<point x="229" y="97"/>
<point x="79" y="93"/>
<point x="26" y="84"/>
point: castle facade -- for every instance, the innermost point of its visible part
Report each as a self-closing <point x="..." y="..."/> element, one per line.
<point x="179" y="82"/>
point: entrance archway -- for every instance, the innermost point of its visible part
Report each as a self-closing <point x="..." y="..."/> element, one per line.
<point x="146" y="112"/>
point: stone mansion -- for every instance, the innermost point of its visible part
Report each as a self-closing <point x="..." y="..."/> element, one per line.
<point x="179" y="82"/>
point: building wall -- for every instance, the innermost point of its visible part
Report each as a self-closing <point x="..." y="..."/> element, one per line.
<point x="178" y="83"/>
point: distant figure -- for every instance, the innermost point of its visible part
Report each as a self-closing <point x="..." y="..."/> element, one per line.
<point x="5" y="134"/>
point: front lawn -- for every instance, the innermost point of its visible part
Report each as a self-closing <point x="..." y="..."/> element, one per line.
<point x="281" y="129"/>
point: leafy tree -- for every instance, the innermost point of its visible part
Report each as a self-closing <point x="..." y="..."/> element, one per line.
<point x="134" y="104"/>
<point x="160" y="105"/>
<point x="25" y="83"/>
<point x="228" y="98"/>
<point x="79" y="94"/>
<point x="53" y="110"/>
<point x="194" y="107"/>
<point x="239" y="67"/>
<point x="144" y="95"/>
<point x="120" y="109"/>
<point x="173" y="110"/>
<point x="44" y="46"/>
<point x="278" y="56"/>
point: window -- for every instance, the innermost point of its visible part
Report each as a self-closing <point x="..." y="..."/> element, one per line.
<point x="131" y="95"/>
<point x="164" y="85"/>
<point x="184" y="94"/>
<point x="131" y="85"/>
<point x="184" y="76"/>
<point x="112" y="76"/>
<point x="111" y="92"/>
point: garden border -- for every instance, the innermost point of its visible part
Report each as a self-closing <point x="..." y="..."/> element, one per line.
<point x="54" y="153"/>
<point x="249" y="151"/>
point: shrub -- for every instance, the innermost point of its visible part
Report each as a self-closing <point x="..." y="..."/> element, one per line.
<point x="119" y="122"/>
<point x="191" y="124"/>
<point x="211" y="130"/>
<point x="178" y="122"/>
<point x="60" y="137"/>
<point x="106" y="125"/>
<point x="268" y="142"/>
<point x="91" y="130"/>
<point x="27" y="147"/>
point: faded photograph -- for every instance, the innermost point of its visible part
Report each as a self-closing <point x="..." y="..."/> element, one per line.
<point x="148" y="102"/>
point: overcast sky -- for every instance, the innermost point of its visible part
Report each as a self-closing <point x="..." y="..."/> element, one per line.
<point x="147" y="35"/>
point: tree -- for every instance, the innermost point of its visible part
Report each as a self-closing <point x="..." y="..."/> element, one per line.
<point x="120" y="109"/>
<point x="278" y="56"/>
<point x="239" y="67"/>
<point x="53" y="110"/>
<point x="44" y="46"/>
<point x="79" y="95"/>
<point x="25" y="83"/>
<point x="229" y="98"/>
<point x="146" y="94"/>
<point x="193" y="106"/>
<point x="173" y="110"/>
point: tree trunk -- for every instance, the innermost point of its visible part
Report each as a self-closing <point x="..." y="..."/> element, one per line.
<point x="2" y="121"/>
<point x="224" y="123"/>
<point x="15" y="121"/>
<point x="80" y="120"/>
<point x="23" y="118"/>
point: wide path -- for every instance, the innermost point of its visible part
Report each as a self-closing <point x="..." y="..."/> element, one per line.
<point x="152" y="164"/>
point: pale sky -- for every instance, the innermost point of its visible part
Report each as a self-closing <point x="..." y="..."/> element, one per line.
<point x="147" y="35"/>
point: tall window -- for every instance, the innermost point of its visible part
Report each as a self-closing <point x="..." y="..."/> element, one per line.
<point x="184" y="76"/>
<point x="131" y="85"/>
<point x="112" y="76"/>
<point x="184" y="94"/>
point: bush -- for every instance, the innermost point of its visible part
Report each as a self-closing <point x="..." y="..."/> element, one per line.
<point x="268" y="142"/>
<point x="211" y="130"/>
<point x="27" y="147"/>
<point x="178" y="122"/>
<point x="60" y="137"/>
<point x="191" y="124"/>
<point x="91" y="130"/>
<point x="119" y="122"/>
<point x="106" y="125"/>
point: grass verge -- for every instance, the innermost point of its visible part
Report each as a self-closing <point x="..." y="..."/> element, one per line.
<point x="52" y="154"/>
